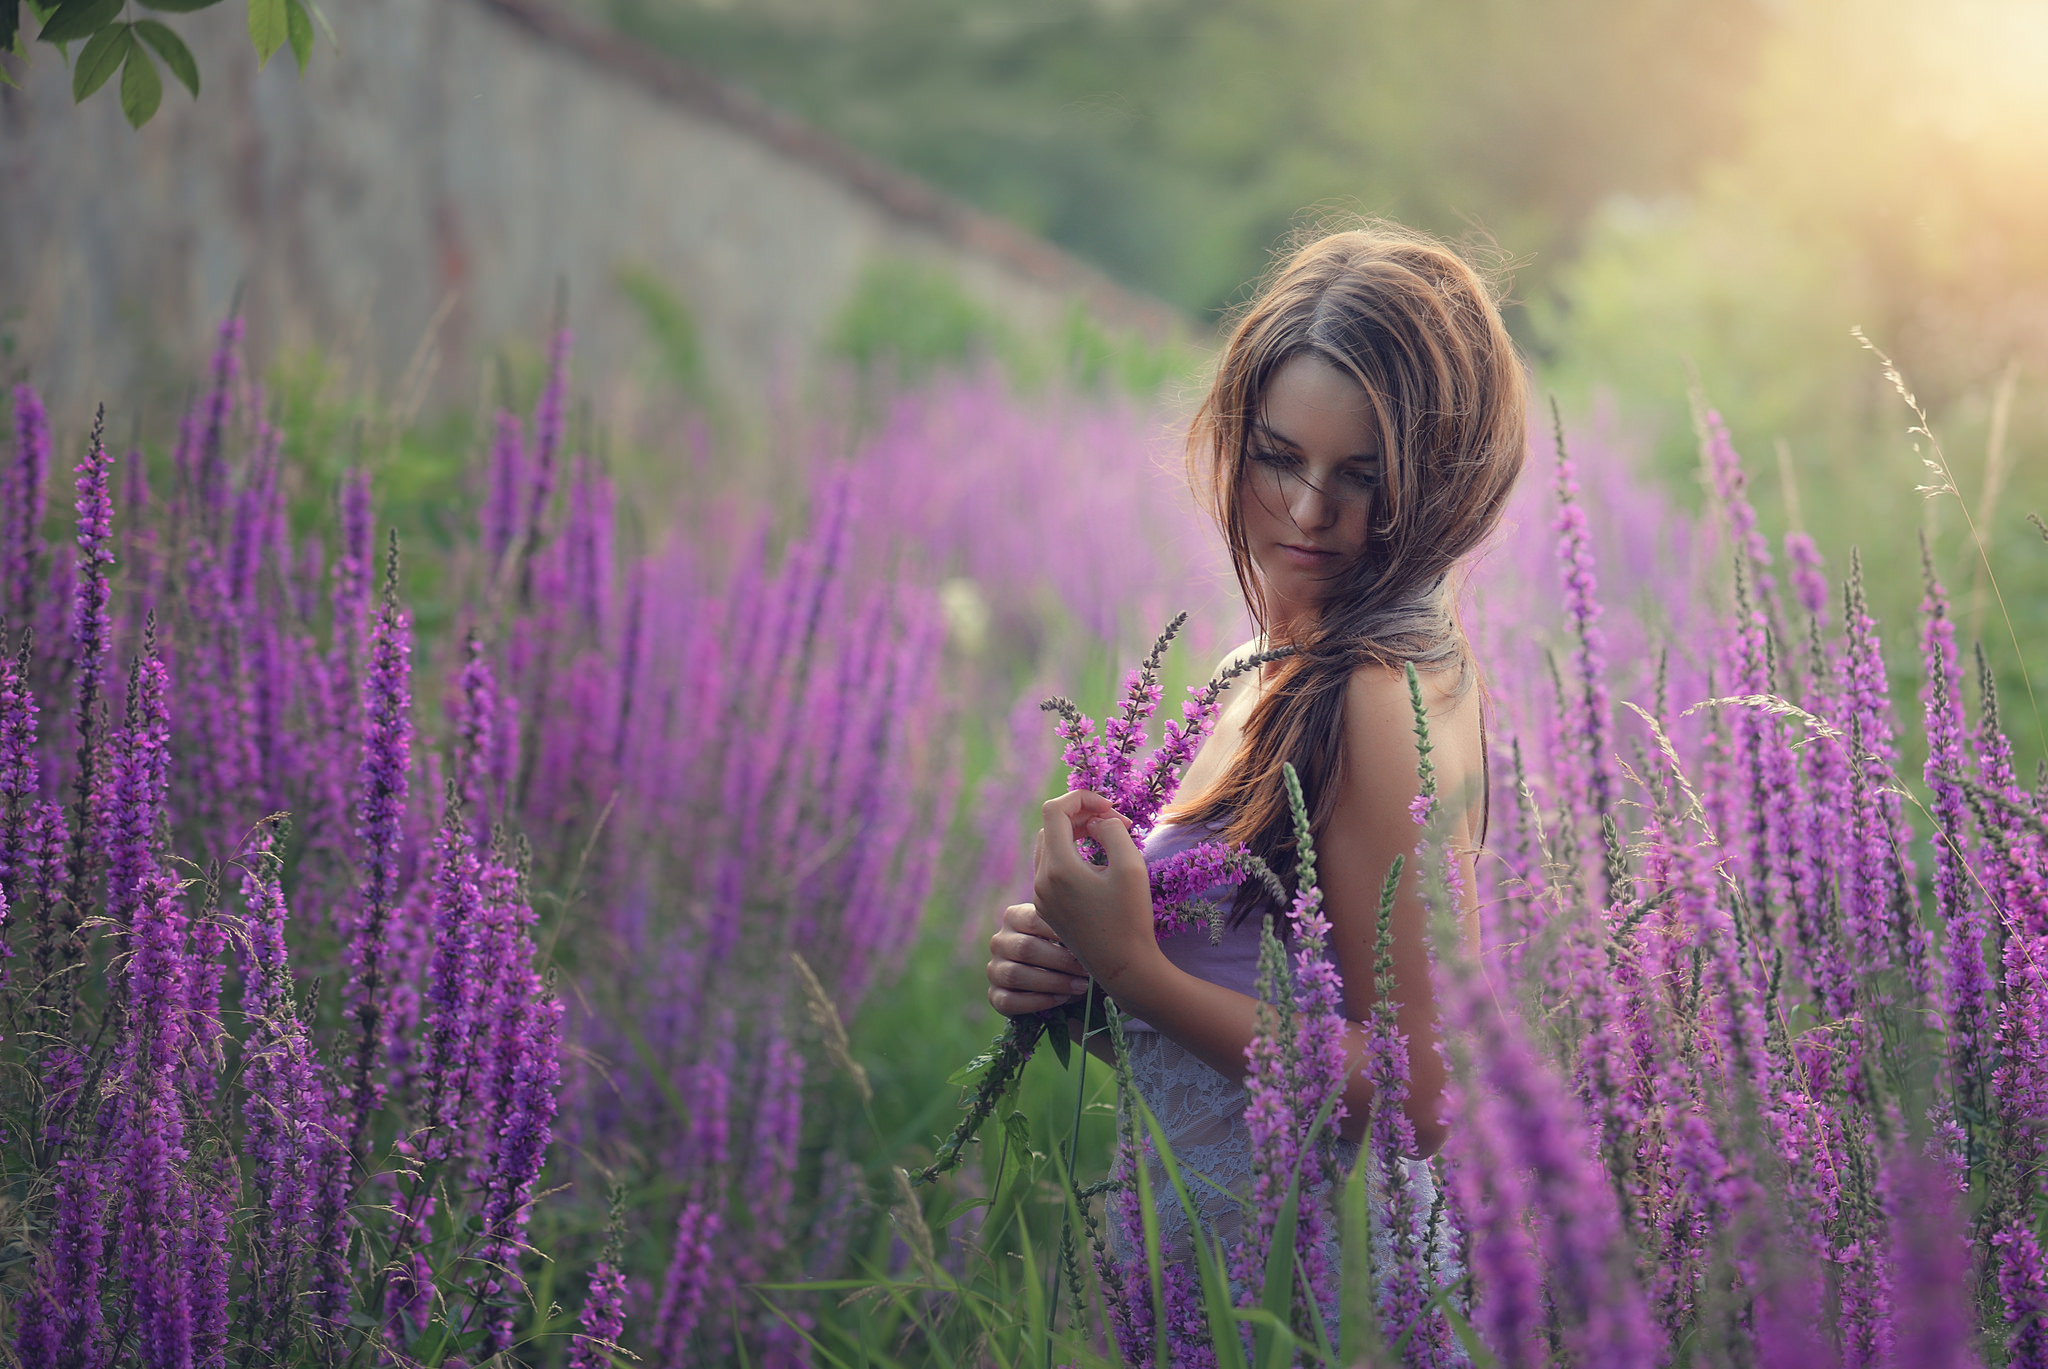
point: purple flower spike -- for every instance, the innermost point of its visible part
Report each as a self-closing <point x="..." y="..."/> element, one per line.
<point x="522" y="1147"/>
<point x="502" y="512"/>
<point x="289" y="1134"/>
<point x="1967" y="989"/>
<point x="1294" y="1068"/>
<point x="476" y="721"/>
<point x="2023" y="1288"/>
<point x="61" y="1319"/>
<point x="453" y="987"/>
<point x="380" y="818"/>
<point x="20" y="772"/>
<point x="140" y="783"/>
<point x="548" y="414"/>
<point x="1809" y="574"/>
<point x="602" y="1320"/>
<point x="690" y="1277"/>
<point x="148" y="1144"/>
<point x="22" y="497"/>
<point x="1931" y="1283"/>
<point x="208" y="473"/>
<point x="1180" y="881"/>
<point x="1589" y="725"/>
<point x="1731" y="488"/>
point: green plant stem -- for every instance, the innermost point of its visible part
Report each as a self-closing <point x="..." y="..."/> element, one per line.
<point x="1073" y="1148"/>
<point x="1007" y="1058"/>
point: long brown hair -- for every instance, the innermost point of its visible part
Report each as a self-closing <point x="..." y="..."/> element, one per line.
<point x="1414" y="324"/>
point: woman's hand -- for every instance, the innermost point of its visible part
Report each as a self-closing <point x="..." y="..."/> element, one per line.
<point x="1028" y="970"/>
<point x="1102" y="914"/>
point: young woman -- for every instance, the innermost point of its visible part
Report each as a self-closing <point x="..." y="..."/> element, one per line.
<point x="1364" y="429"/>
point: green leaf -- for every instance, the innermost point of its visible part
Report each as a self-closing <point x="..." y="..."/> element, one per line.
<point x="1273" y="1350"/>
<point x="76" y="19"/>
<point x="1215" y="1277"/>
<point x="102" y="57"/>
<point x="142" y="90"/>
<point x="177" y="6"/>
<point x="298" y="27"/>
<point x="970" y="1069"/>
<point x="1358" y="1334"/>
<point x="10" y="27"/>
<point x="1062" y="1044"/>
<point x="269" y="28"/>
<point x="172" y="49"/>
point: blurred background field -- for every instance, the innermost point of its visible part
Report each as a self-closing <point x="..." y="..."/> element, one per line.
<point x="967" y="259"/>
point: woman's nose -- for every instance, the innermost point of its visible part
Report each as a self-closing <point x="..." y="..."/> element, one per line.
<point x="1311" y="507"/>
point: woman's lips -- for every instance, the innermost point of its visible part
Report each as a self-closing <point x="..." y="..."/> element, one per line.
<point x="1306" y="556"/>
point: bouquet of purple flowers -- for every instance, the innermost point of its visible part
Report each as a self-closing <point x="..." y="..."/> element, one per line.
<point x="1108" y="763"/>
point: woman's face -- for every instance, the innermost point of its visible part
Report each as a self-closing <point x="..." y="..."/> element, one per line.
<point x="1312" y="469"/>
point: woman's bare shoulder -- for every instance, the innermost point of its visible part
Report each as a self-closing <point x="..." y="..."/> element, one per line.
<point x="1381" y="686"/>
<point x="1235" y="655"/>
<point x="1379" y="732"/>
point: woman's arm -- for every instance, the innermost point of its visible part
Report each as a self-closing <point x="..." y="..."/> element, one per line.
<point x="1104" y="915"/>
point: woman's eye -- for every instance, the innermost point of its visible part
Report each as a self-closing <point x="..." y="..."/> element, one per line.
<point x="1364" y="479"/>
<point x="1266" y="457"/>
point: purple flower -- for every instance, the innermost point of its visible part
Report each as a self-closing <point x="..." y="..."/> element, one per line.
<point x="288" y="1124"/>
<point x="548" y="413"/>
<point x="90" y="630"/>
<point x="589" y="537"/>
<point x="1879" y="872"/>
<point x="61" y="1319"/>
<point x="453" y="987"/>
<point x="380" y="815"/>
<point x="1931" y="1283"/>
<point x="521" y="1150"/>
<point x="1731" y="490"/>
<point x="1967" y="989"/>
<point x="602" y="1320"/>
<point x="204" y="463"/>
<point x="1294" y="1068"/>
<point x="20" y="782"/>
<point x="690" y="1277"/>
<point x="23" y="499"/>
<point x="502" y="513"/>
<point x="1180" y="882"/>
<point x="772" y="1158"/>
<point x="1588" y="724"/>
<point x="1809" y="578"/>
<point x="148" y="1149"/>
<point x="219" y="773"/>
<point x="476" y="722"/>
<point x="2023" y="1288"/>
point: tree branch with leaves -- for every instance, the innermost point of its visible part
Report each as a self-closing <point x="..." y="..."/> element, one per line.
<point x="98" y="38"/>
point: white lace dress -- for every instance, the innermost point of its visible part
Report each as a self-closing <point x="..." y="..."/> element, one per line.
<point x="1201" y="1112"/>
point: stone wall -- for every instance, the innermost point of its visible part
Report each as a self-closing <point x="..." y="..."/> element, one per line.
<point x="420" y="195"/>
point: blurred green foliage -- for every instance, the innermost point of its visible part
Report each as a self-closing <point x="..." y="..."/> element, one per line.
<point x="908" y="320"/>
<point x="1173" y="141"/>
<point x="670" y="326"/>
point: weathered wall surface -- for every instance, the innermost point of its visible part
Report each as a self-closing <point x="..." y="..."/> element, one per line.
<point x="426" y="188"/>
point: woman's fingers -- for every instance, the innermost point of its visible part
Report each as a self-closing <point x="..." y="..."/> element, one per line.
<point x="1028" y="970"/>
<point x="1015" y="974"/>
<point x="1023" y="917"/>
<point x="1010" y="1003"/>
<point x="1027" y="949"/>
<point x="1055" y="860"/>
